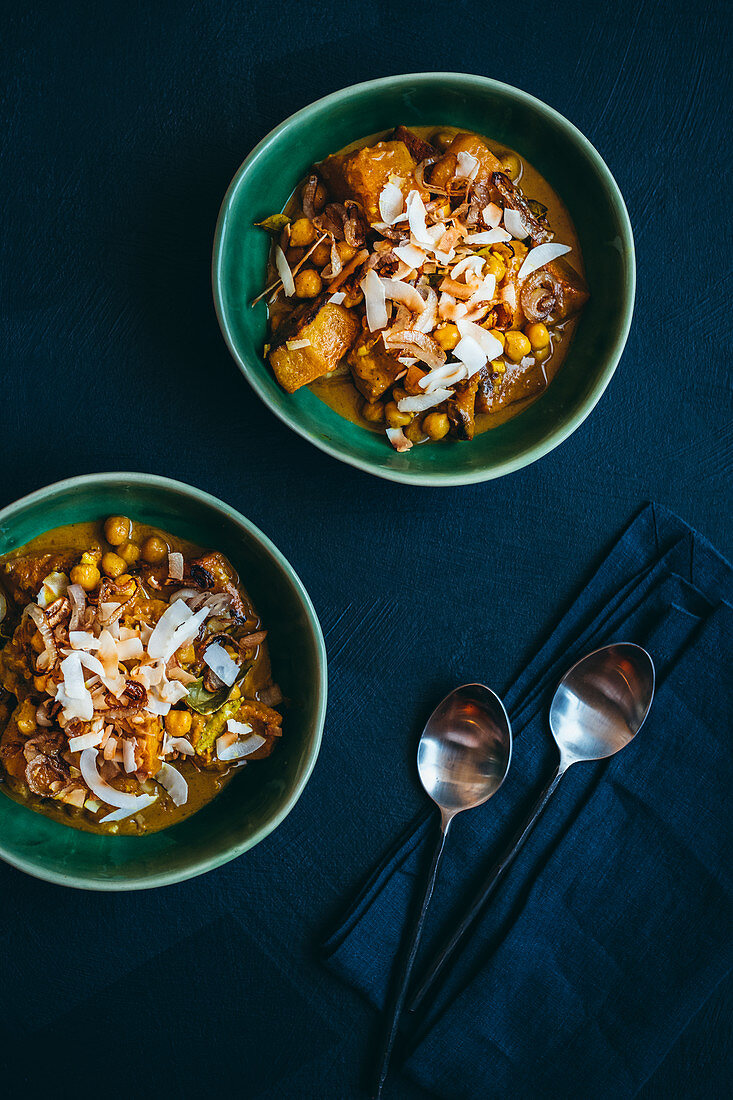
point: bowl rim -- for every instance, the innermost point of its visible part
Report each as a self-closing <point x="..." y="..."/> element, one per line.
<point x="79" y="882"/>
<point x="417" y="477"/>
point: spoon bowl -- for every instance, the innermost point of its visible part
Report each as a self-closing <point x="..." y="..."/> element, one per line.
<point x="465" y="749"/>
<point x="601" y="703"/>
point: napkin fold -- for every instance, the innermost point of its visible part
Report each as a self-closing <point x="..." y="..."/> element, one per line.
<point x="612" y="927"/>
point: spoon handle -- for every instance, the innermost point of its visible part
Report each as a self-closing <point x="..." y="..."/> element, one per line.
<point x="439" y="963"/>
<point x="402" y="976"/>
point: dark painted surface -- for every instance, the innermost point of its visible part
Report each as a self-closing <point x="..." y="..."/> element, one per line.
<point x="121" y="128"/>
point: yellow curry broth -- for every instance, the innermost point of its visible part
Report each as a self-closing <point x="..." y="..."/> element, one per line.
<point x="60" y="549"/>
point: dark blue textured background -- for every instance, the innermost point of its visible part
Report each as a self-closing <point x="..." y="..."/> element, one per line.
<point x="121" y="126"/>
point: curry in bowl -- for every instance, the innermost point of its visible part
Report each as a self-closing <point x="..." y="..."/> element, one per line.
<point x="134" y="677"/>
<point x="419" y="285"/>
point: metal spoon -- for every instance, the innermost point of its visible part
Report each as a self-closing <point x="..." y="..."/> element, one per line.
<point x="462" y="759"/>
<point x="599" y="706"/>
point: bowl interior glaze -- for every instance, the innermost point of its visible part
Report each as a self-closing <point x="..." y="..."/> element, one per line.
<point x="257" y="799"/>
<point x="511" y="117"/>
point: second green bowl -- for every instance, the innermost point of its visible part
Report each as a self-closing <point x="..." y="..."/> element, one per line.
<point x="562" y="155"/>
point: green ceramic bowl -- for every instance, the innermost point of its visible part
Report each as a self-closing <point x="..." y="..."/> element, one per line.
<point x="511" y="117"/>
<point x="258" y="799"/>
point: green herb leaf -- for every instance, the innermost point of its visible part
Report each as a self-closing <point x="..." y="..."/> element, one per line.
<point x="215" y="726"/>
<point x="274" y="225"/>
<point x="538" y="209"/>
<point x="203" y="701"/>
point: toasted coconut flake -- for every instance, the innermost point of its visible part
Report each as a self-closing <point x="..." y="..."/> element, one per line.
<point x="474" y="264"/>
<point x="405" y="293"/>
<point x="492" y="215"/>
<point x="416" y="214"/>
<point x="427" y="320"/>
<point x="174" y="783"/>
<point x="102" y="790"/>
<point x="391" y="203"/>
<point x="182" y="745"/>
<point x="411" y="255"/>
<point x="177" y="626"/>
<point x="129" y="649"/>
<point x="424" y="401"/>
<point x="175" y="566"/>
<point x="416" y="343"/>
<point x="128" y="755"/>
<point x="237" y="750"/>
<point x="490" y="346"/>
<point x="399" y="440"/>
<point x="466" y="166"/>
<point x="444" y="376"/>
<point x="488" y="236"/>
<point x="54" y="585"/>
<point x="470" y="353"/>
<point x="283" y="270"/>
<point x="144" y="800"/>
<point x="485" y="291"/>
<point x="221" y="664"/>
<point x="337" y="299"/>
<point x="85" y="741"/>
<point x="514" y="223"/>
<point x="374" y="297"/>
<point x="296" y="345"/>
<point x="541" y="255"/>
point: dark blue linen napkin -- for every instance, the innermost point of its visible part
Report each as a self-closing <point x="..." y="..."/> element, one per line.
<point x="612" y="927"/>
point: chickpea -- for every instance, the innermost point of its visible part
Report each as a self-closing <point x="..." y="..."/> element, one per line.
<point x="394" y="417"/>
<point x="414" y="431"/>
<point x="542" y="353"/>
<point x="511" y="165"/>
<point x="113" y="565"/>
<point x="498" y="335"/>
<point x="186" y="655"/>
<point x="345" y="251"/>
<point x="26" y="724"/>
<point x="537" y="335"/>
<point x="294" y="256"/>
<point x="496" y="266"/>
<point x="321" y="254"/>
<point x="373" y="411"/>
<point x="441" y="139"/>
<point x="117" y="530"/>
<point x="516" y="346"/>
<point x="178" y="722"/>
<point x="447" y="336"/>
<point x="436" y="425"/>
<point x="129" y="553"/>
<point x="88" y="576"/>
<point x="307" y="283"/>
<point x="302" y="233"/>
<point x="154" y="550"/>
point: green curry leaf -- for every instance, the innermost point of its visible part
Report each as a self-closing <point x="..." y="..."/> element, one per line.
<point x="538" y="209"/>
<point x="203" y="701"/>
<point x="274" y="225"/>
